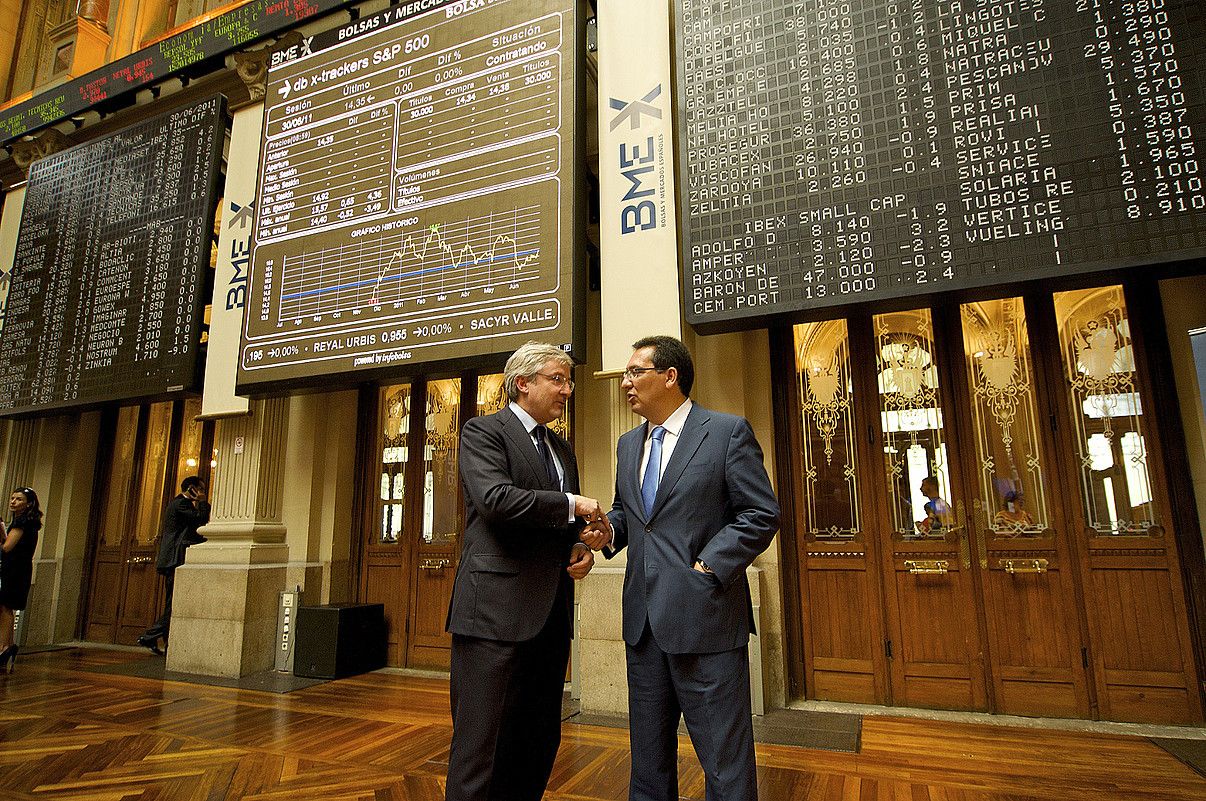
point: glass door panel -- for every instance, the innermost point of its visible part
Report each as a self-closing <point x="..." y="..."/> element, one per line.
<point x="492" y="397"/>
<point x="192" y="436"/>
<point x="915" y="452"/>
<point x="1011" y="489"/>
<point x="119" y="478"/>
<point x="1107" y="414"/>
<point x="830" y="445"/>
<point x="441" y="483"/>
<point x="151" y="500"/>
<point x="395" y="428"/>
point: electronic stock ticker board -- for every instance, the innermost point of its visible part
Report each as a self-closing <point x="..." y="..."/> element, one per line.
<point x="834" y="151"/>
<point x="416" y="197"/>
<point x="107" y="293"/>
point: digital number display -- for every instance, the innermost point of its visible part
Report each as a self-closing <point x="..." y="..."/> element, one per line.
<point x="180" y="52"/>
<point x="833" y="152"/>
<point x="113" y="251"/>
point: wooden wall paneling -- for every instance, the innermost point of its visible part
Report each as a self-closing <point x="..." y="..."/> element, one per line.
<point x="844" y="641"/>
<point x="1183" y="527"/>
<point x="101" y="620"/>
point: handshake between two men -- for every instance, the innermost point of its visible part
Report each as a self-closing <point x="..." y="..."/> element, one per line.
<point x="595" y="535"/>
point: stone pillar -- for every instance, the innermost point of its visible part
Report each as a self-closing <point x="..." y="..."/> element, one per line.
<point x="226" y="594"/>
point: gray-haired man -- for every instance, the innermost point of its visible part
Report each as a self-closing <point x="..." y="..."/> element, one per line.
<point x="511" y="603"/>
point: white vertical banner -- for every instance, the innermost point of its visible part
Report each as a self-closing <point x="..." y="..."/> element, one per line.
<point x="10" y="225"/>
<point x="234" y="258"/>
<point x="638" y="231"/>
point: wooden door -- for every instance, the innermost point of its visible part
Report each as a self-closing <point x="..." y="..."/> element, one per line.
<point x="154" y="447"/>
<point x="1117" y="494"/>
<point x="385" y="564"/>
<point x="437" y="544"/>
<point x="1013" y="487"/>
<point x="141" y="598"/>
<point x="840" y="617"/>
<point x="937" y="641"/>
<point x="1018" y="529"/>
<point x="117" y="477"/>
<point x="412" y="548"/>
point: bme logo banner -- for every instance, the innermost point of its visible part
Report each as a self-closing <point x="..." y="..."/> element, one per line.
<point x="641" y="160"/>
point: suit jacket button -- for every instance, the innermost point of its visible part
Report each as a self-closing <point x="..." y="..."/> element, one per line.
<point x="649" y="527"/>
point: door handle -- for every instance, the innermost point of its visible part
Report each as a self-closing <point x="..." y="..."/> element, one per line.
<point x="434" y="564"/>
<point x="139" y="560"/>
<point x="1023" y="565"/>
<point x="933" y="567"/>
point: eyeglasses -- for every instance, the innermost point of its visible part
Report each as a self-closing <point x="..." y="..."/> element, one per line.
<point x="559" y="380"/>
<point x="633" y="373"/>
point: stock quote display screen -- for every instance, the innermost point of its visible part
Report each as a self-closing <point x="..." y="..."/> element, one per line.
<point x="107" y="294"/>
<point x="833" y="152"/>
<point x="416" y="194"/>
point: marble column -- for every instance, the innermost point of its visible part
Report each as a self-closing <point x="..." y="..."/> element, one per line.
<point x="226" y="594"/>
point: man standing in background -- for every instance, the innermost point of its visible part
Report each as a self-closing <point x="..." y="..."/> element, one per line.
<point x="185" y="513"/>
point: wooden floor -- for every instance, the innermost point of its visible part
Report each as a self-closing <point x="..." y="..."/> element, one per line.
<point x="66" y="733"/>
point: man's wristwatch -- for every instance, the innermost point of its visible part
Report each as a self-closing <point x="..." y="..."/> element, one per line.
<point x="704" y="565"/>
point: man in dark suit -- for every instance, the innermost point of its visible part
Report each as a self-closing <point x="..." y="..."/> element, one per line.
<point x="694" y="506"/>
<point x="512" y="600"/>
<point x="185" y="513"/>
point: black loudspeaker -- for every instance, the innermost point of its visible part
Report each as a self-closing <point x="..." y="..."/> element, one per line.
<point x="338" y="640"/>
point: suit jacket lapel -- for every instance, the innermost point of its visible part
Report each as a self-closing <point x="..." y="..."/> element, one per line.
<point x="629" y="464"/>
<point x="514" y="431"/>
<point x="565" y="455"/>
<point x="689" y="439"/>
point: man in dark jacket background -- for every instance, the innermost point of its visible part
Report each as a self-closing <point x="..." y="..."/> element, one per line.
<point x="185" y="513"/>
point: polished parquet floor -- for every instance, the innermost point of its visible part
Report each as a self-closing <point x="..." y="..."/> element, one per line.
<point x="68" y="733"/>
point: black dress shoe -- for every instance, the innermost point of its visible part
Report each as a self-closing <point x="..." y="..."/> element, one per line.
<point x="152" y="642"/>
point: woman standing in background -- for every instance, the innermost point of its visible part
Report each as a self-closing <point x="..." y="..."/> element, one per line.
<point x="16" y="565"/>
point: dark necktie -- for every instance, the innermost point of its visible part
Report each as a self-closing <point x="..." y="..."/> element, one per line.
<point x="653" y="470"/>
<point x="542" y="446"/>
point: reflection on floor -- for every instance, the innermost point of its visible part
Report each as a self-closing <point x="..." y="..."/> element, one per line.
<point x="69" y="732"/>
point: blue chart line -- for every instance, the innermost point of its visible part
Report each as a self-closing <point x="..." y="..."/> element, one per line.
<point x="401" y="276"/>
<point x="470" y="258"/>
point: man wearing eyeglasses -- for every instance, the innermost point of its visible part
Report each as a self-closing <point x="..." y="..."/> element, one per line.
<point x="511" y="602"/>
<point x="694" y="506"/>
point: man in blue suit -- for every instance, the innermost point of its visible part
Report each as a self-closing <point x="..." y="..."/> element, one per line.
<point x="694" y="506"/>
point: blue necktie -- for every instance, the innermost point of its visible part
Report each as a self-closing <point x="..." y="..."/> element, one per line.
<point x="542" y="446"/>
<point x="653" y="472"/>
